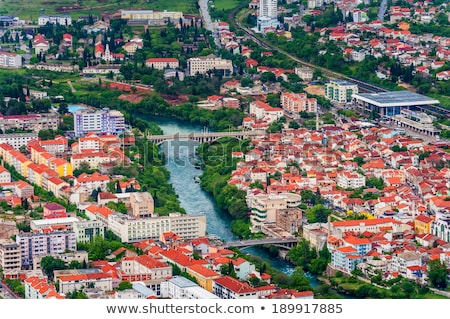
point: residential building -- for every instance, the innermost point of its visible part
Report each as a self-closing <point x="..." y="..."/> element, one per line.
<point x="340" y="91"/>
<point x="422" y="224"/>
<point x="138" y="291"/>
<point x="104" y="121"/>
<point x="142" y="204"/>
<point x="201" y="65"/>
<point x="203" y="275"/>
<point x="33" y="122"/>
<point x="145" y="269"/>
<point x="263" y="111"/>
<point x="346" y="179"/>
<point x="162" y="63"/>
<point x="306" y="74"/>
<point x="10" y="261"/>
<point x="227" y="287"/>
<point x="293" y="103"/>
<point x="146" y="15"/>
<point x="17" y="140"/>
<point x="338" y="228"/>
<point x="130" y="229"/>
<point x="69" y="282"/>
<point x="93" y="159"/>
<point x="54" y="210"/>
<point x="39" y="288"/>
<point x="64" y="20"/>
<point x="10" y="60"/>
<point x="182" y="288"/>
<point x="5" y="175"/>
<point x="86" y="230"/>
<point x="345" y="259"/>
<point x="33" y="244"/>
<point x="80" y="256"/>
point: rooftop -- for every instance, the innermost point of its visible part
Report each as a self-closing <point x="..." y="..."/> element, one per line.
<point x="395" y="98"/>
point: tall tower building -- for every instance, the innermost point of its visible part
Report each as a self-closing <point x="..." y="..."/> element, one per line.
<point x="268" y="8"/>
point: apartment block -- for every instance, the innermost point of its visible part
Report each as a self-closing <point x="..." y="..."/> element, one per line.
<point x="10" y="60"/>
<point x="33" y="244"/>
<point x="142" y="204"/>
<point x="340" y="91"/>
<point x="201" y="65"/>
<point x="104" y="121"/>
<point x="9" y="257"/>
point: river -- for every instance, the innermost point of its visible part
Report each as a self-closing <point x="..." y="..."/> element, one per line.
<point x="181" y="163"/>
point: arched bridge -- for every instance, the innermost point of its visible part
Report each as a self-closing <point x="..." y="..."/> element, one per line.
<point x="281" y="242"/>
<point x="203" y="137"/>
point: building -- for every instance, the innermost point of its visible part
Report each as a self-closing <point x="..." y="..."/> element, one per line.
<point x="294" y="103"/>
<point x="142" y="204"/>
<point x="388" y="104"/>
<point x="104" y="121"/>
<point x="5" y="175"/>
<point x="17" y="140"/>
<point x="86" y="230"/>
<point x="80" y="256"/>
<point x="267" y="17"/>
<point x="82" y="278"/>
<point x="33" y="244"/>
<point x="130" y="229"/>
<point x="33" y="122"/>
<point x="94" y="159"/>
<point x="64" y="20"/>
<point x="54" y="210"/>
<point x="416" y="121"/>
<point x="146" y="269"/>
<point x="10" y="261"/>
<point x="263" y="111"/>
<point x="182" y="288"/>
<point x="151" y="15"/>
<point x="352" y="180"/>
<point x="201" y="65"/>
<point x="10" y="60"/>
<point x="264" y="207"/>
<point x="345" y="259"/>
<point x="227" y="287"/>
<point x="162" y="63"/>
<point x="340" y="91"/>
<point x="306" y="74"/>
<point x="39" y="288"/>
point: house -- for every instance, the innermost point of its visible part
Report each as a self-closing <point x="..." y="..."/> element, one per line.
<point x="227" y="287"/>
<point x="54" y="210"/>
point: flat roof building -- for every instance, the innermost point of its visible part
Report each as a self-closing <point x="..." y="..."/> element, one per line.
<point x="390" y="103"/>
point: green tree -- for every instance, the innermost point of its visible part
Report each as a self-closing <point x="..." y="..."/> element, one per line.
<point x="50" y="263"/>
<point x="437" y="274"/>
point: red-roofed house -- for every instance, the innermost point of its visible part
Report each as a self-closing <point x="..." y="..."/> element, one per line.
<point x="227" y="287"/>
<point x="54" y="210"/>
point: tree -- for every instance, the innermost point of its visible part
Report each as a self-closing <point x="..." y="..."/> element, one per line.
<point x="50" y="263"/>
<point x="294" y="125"/>
<point x="318" y="214"/>
<point x="63" y="108"/>
<point x="125" y="285"/>
<point x="437" y="274"/>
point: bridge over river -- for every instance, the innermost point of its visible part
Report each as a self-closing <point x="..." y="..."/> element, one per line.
<point x="204" y="137"/>
<point x="286" y="243"/>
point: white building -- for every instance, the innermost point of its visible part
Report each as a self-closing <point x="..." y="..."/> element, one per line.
<point x="268" y="8"/>
<point x="201" y="65"/>
<point x="103" y="121"/>
<point x="10" y="261"/>
<point x="62" y="20"/>
<point x="17" y="140"/>
<point x="162" y="63"/>
<point x="263" y="111"/>
<point x="340" y="91"/>
<point x="348" y="179"/>
<point x="182" y="288"/>
<point x="10" y="60"/>
<point x="130" y="229"/>
<point x="5" y="175"/>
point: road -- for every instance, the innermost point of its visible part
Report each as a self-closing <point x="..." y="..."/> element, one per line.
<point x="7" y="293"/>
<point x="204" y="11"/>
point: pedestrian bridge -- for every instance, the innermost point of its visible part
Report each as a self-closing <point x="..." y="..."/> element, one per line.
<point x="203" y="137"/>
<point x="280" y="242"/>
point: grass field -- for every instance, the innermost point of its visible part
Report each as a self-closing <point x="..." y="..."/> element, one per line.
<point x="30" y="10"/>
<point x="225" y="4"/>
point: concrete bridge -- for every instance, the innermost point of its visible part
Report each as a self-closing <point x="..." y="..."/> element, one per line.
<point x="203" y="137"/>
<point x="286" y="243"/>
